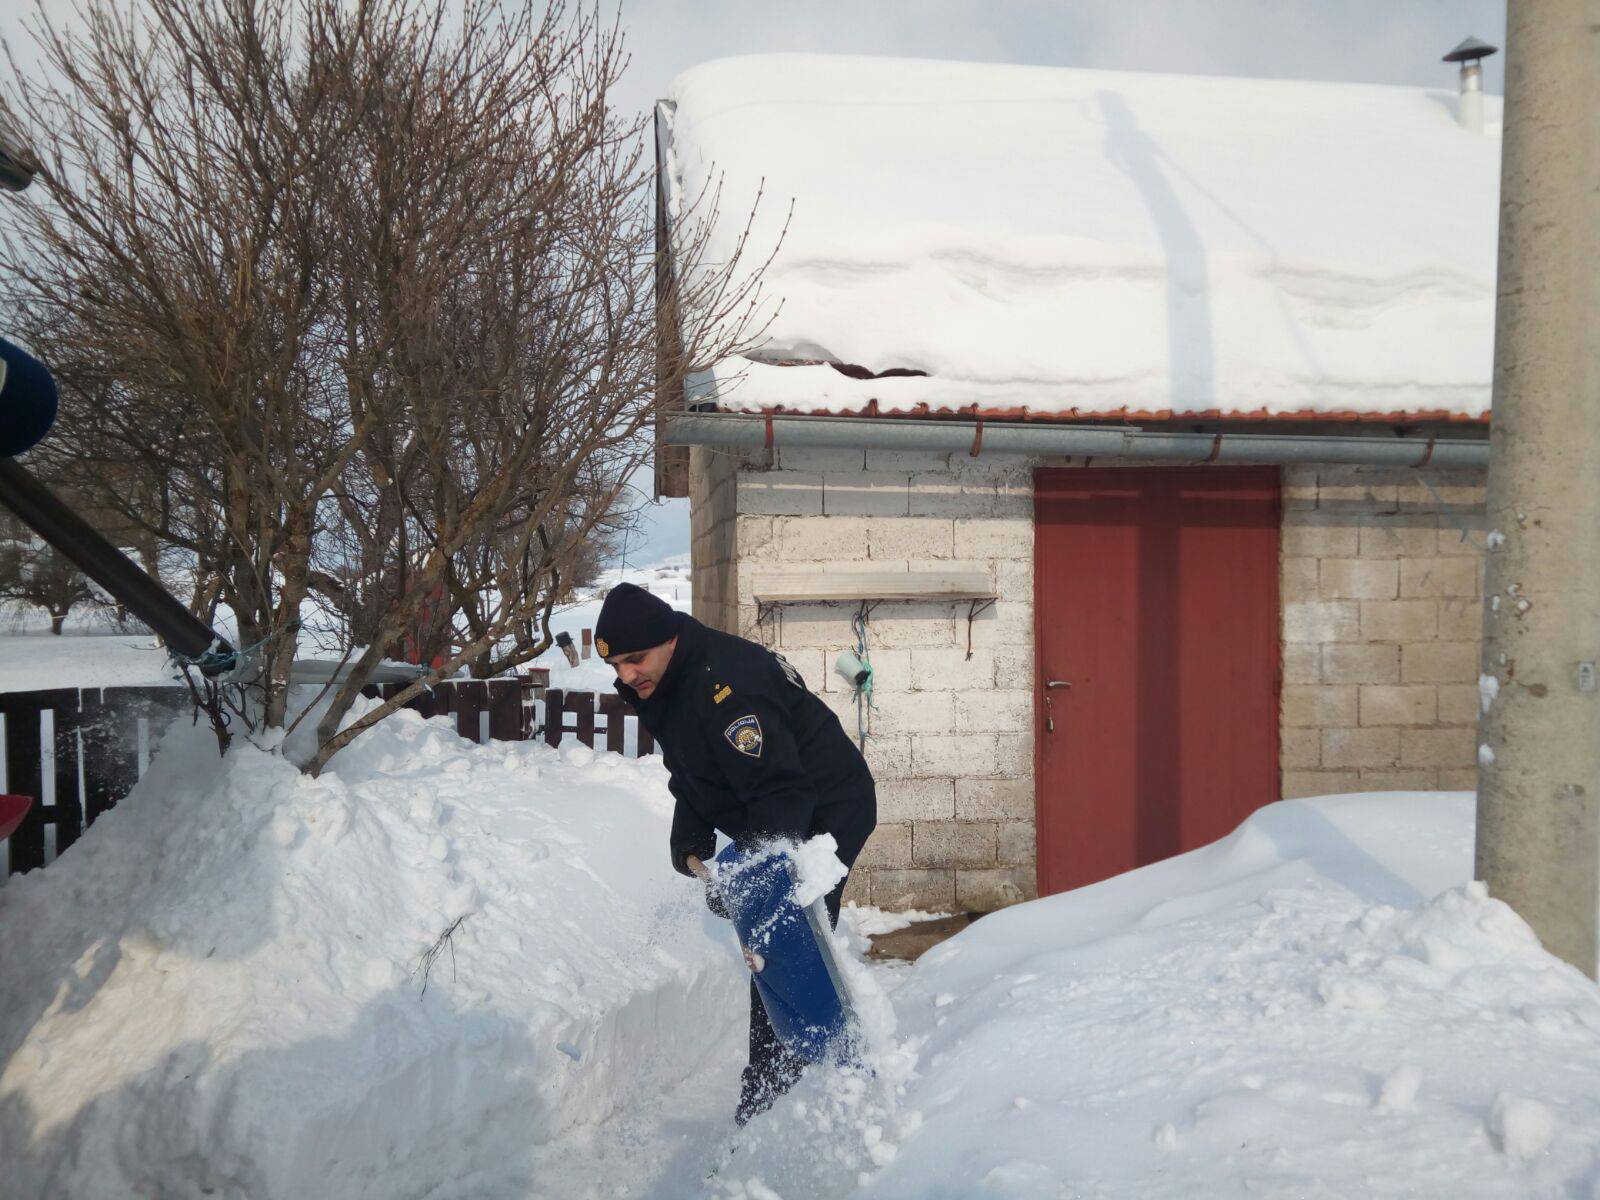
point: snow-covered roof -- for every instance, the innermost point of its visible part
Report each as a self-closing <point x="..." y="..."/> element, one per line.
<point x="1075" y="242"/>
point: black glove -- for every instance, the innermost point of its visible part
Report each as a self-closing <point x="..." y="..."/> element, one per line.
<point x="714" y="900"/>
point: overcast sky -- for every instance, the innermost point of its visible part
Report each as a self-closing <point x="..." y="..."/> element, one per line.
<point x="1370" y="41"/>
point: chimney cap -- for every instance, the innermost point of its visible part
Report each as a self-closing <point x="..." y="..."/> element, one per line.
<point x="1471" y="49"/>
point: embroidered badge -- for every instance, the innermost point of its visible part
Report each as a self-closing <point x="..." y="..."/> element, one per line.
<point x="721" y="694"/>
<point x="744" y="735"/>
<point x="600" y="645"/>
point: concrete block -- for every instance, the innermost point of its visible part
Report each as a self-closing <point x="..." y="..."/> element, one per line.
<point x="1013" y="753"/>
<point x="1346" y="748"/>
<point x="909" y="461"/>
<point x="865" y="494"/>
<point x="780" y="493"/>
<point x="1013" y="665"/>
<point x="1443" y="748"/>
<point x="889" y="757"/>
<point x="1462" y="780"/>
<point x="1299" y="488"/>
<point x="1399" y="620"/>
<point x="943" y="494"/>
<point x="911" y="624"/>
<point x="908" y="538"/>
<point x="814" y="626"/>
<point x="947" y="668"/>
<point x="995" y="799"/>
<point x="917" y="800"/>
<point x="1014" y="499"/>
<point x="1319" y="535"/>
<point x="1015" y="843"/>
<point x="822" y="539"/>
<point x="1319" y="705"/>
<point x="1461" y="620"/>
<point x="1014" y="579"/>
<point x="1401" y="704"/>
<point x="1302" y="662"/>
<point x="1456" y="489"/>
<point x="1321" y="621"/>
<point x="889" y="846"/>
<point x="995" y="537"/>
<point x="915" y="712"/>
<point x="891" y="669"/>
<point x="993" y="711"/>
<point x="1457" y="577"/>
<point x="756" y="540"/>
<point x="1461" y="535"/>
<point x="953" y="843"/>
<point x="1358" y="662"/>
<point x="1399" y="781"/>
<point x="1299" y="579"/>
<point x="1300" y="749"/>
<point x="954" y="754"/>
<point x="858" y="888"/>
<point x="1319" y="783"/>
<point x="1368" y="489"/>
<point x="1397" y="535"/>
<point x="994" y="888"/>
<point x="819" y="458"/>
<point x="1458" y="703"/>
<point x="926" y="891"/>
<point x="1359" y="579"/>
<point x="1439" y="662"/>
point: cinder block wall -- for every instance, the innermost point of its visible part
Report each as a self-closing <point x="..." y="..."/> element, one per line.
<point x="1381" y="577"/>
<point x="1382" y="591"/>
<point x="951" y="740"/>
<point x="712" y="546"/>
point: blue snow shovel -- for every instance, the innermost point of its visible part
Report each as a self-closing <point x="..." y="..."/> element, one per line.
<point x="791" y="948"/>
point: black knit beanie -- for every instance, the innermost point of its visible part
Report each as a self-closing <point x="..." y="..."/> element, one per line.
<point x="633" y="619"/>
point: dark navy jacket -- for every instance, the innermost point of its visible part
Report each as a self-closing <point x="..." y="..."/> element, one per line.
<point x="750" y="751"/>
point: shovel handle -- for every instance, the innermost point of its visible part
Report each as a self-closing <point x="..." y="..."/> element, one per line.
<point x="695" y="865"/>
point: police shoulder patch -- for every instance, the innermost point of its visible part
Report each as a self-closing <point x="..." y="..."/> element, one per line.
<point x="744" y="735"/>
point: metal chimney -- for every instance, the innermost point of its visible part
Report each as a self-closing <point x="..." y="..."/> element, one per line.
<point x="1470" y="54"/>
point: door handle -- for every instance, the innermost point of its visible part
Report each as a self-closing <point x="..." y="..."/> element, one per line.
<point x="1049" y="711"/>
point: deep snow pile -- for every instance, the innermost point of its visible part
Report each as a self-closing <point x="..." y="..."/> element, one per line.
<point x="1318" y="1005"/>
<point x="1095" y="241"/>
<point x="220" y="990"/>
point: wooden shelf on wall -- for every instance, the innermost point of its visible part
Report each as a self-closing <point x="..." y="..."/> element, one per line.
<point x="792" y="587"/>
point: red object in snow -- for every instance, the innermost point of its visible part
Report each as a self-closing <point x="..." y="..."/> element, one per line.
<point x="12" y="810"/>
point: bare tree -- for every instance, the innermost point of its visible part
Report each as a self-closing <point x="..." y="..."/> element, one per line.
<point x="33" y="573"/>
<point x="363" y="295"/>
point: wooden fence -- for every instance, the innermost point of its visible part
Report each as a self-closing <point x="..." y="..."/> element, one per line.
<point x="98" y="742"/>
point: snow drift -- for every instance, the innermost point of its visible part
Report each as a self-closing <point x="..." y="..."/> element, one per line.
<point x="224" y="990"/>
<point x="1320" y="1004"/>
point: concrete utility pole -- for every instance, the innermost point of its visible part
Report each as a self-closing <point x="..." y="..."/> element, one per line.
<point x="1539" y="770"/>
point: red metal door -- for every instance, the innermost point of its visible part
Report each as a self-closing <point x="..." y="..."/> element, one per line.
<point x="1156" y="620"/>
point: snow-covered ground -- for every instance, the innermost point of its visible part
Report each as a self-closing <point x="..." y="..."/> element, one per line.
<point x="219" y="992"/>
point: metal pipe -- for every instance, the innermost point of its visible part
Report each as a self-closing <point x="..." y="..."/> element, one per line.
<point x="40" y="510"/>
<point x="984" y="437"/>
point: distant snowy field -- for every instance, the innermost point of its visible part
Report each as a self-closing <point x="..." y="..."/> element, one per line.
<point x="88" y="655"/>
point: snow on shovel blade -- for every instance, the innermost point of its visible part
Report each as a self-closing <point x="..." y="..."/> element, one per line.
<point x="799" y="983"/>
<point x="12" y="810"/>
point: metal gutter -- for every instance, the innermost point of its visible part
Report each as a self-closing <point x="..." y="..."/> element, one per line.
<point x="978" y="438"/>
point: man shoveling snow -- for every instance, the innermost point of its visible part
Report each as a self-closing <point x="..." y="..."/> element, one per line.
<point x="751" y="753"/>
